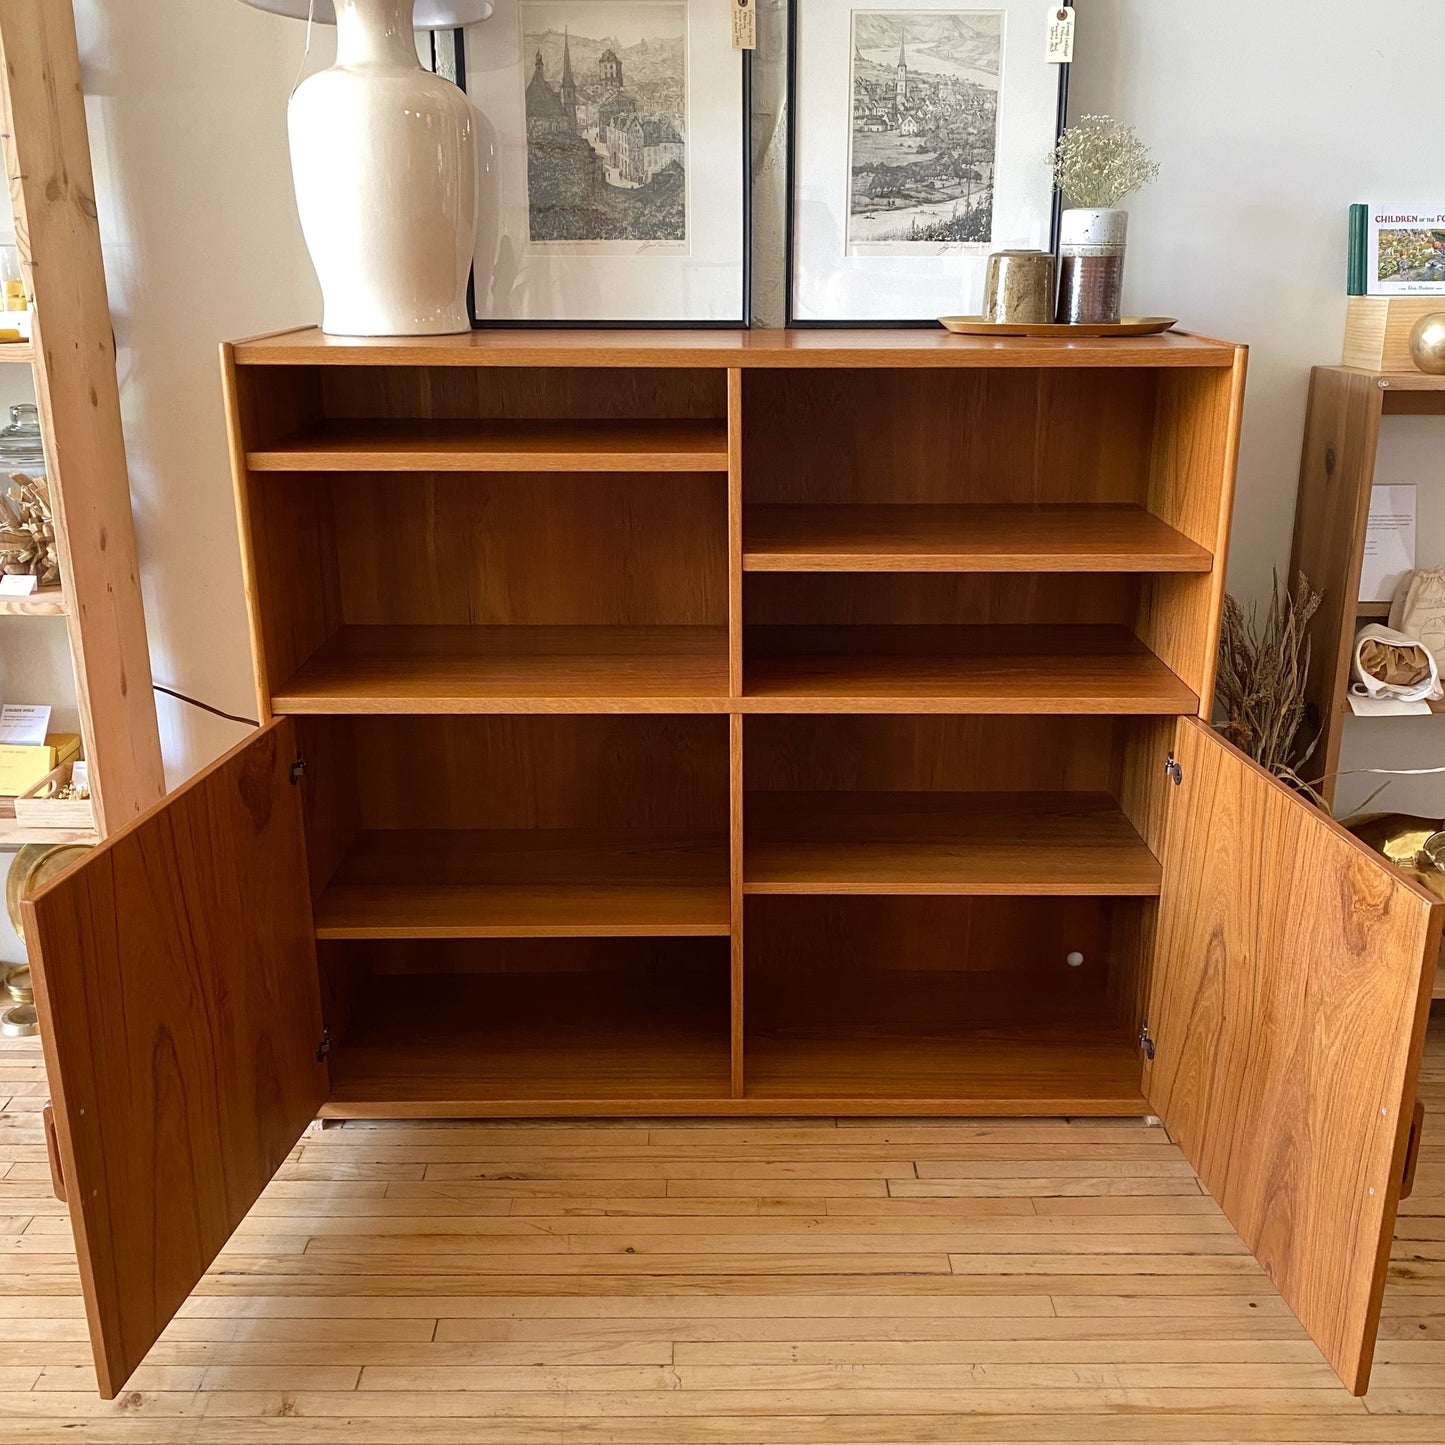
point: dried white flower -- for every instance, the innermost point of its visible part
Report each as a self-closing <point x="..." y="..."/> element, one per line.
<point x="1099" y="161"/>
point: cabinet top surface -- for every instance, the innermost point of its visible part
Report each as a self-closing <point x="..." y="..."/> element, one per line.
<point x="309" y="346"/>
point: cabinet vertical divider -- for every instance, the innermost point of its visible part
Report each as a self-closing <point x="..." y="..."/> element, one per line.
<point x="735" y="721"/>
<point x="735" y="871"/>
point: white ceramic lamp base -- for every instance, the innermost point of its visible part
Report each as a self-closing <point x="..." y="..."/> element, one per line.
<point x="384" y="156"/>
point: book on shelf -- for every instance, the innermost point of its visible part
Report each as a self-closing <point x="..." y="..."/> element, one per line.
<point x="1396" y="250"/>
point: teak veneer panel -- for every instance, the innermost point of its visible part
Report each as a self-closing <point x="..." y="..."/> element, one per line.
<point x="499" y="446"/>
<point x="1289" y="1024"/>
<point x="968" y="538"/>
<point x="176" y="978"/>
<point x="1040" y="844"/>
<point x="513" y="670"/>
<point x="910" y="348"/>
<point x="1083" y="1067"/>
<point x="527" y="883"/>
<point x="549" y="1043"/>
<point x="1002" y="669"/>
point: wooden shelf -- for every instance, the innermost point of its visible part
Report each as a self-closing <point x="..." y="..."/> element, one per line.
<point x="1085" y="1065"/>
<point x="983" y="669"/>
<point x="513" y="670"/>
<point x="621" y="1042"/>
<point x="48" y="602"/>
<point x="831" y="348"/>
<point x="552" y="883"/>
<point x="14" y="834"/>
<point x="1061" y="844"/>
<point x="17" y="351"/>
<point x="500" y="446"/>
<point x="1377" y="610"/>
<point x="922" y="538"/>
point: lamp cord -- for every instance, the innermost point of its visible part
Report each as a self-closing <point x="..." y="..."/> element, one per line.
<point x="205" y="706"/>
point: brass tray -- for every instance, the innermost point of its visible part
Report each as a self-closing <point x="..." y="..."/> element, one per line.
<point x="1129" y="326"/>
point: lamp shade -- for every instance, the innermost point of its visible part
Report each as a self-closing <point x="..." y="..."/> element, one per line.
<point x="430" y="14"/>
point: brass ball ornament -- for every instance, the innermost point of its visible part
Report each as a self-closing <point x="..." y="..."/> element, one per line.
<point x="1427" y="343"/>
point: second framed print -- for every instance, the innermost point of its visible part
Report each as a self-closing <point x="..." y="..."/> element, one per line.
<point x="920" y="140"/>
<point x="616" y="177"/>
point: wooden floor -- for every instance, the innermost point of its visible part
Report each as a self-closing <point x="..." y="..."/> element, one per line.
<point x="801" y="1283"/>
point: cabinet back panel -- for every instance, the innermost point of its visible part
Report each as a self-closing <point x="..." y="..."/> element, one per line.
<point x="932" y="963"/>
<point x="605" y="772"/>
<point x="536" y="550"/>
<point x="822" y="599"/>
<point x="930" y="753"/>
<point x="575" y="393"/>
<point x="1058" y="435"/>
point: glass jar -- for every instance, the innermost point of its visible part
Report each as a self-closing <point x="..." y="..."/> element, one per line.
<point x="21" y="448"/>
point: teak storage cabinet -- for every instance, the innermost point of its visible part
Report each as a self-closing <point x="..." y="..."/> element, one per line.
<point x="733" y="724"/>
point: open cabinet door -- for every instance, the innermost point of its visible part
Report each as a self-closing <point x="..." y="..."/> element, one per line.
<point x="175" y="973"/>
<point x="1291" y="988"/>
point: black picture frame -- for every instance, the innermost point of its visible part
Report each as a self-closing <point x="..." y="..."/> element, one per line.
<point x="790" y="319"/>
<point x="449" y="58"/>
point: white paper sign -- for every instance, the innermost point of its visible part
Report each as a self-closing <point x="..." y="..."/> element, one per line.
<point x="80" y="774"/>
<point x="1061" y="35"/>
<point x="1389" y="542"/>
<point x="745" y="25"/>
<point x="24" y="722"/>
<point x="18" y="586"/>
<point x="1386" y="707"/>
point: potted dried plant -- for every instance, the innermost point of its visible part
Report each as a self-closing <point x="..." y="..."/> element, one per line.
<point x="1097" y="163"/>
<point x="1260" y="687"/>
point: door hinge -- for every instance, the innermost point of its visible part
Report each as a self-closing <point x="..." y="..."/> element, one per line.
<point x="1145" y="1042"/>
<point x="298" y="770"/>
<point x="324" y="1047"/>
<point x="1174" y="770"/>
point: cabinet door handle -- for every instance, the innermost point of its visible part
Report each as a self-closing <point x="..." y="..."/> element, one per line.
<point x="1412" y="1150"/>
<point x="52" y="1152"/>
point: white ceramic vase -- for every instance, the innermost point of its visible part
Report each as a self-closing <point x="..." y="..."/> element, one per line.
<point x="384" y="156"/>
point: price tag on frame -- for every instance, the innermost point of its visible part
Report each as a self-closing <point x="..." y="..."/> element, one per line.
<point x="745" y="24"/>
<point x="1061" y="35"/>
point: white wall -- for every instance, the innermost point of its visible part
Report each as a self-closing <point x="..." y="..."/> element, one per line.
<point x="1269" y="117"/>
<point x="187" y="112"/>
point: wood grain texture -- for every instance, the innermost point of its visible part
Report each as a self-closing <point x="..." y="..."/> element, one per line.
<point x="517" y="883"/>
<point x="619" y="1040"/>
<point x="872" y="435"/>
<point x="401" y="445"/>
<point x="982" y="538"/>
<point x="1191" y="487"/>
<point x="46" y="602"/>
<point x="748" y="1280"/>
<point x="452" y="670"/>
<point x="57" y="234"/>
<point x="1003" y="669"/>
<point x="1337" y="471"/>
<point x="722" y="348"/>
<point x="1038" y="844"/>
<point x="177" y="1098"/>
<point x="1291" y="990"/>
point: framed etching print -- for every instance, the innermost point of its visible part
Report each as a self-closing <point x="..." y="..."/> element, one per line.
<point x="616" y="182"/>
<point x="920" y="140"/>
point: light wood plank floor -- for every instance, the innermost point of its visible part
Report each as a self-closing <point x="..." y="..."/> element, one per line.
<point x="640" y="1284"/>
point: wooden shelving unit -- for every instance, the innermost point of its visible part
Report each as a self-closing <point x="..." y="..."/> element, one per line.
<point x="72" y="354"/>
<point x="1337" y="474"/>
<point x="701" y="637"/>
<point x="559" y="808"/>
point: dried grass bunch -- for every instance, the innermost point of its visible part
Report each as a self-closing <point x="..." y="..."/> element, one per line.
<point x="1261" y="684"/>
<point x="1099" y="161"/>
<point x="27" y="531"/>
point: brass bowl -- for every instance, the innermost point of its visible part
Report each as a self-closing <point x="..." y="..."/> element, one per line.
<point x="34" y="866"/>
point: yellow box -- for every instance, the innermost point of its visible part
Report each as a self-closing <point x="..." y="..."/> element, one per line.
<point x="23" y="765"/>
